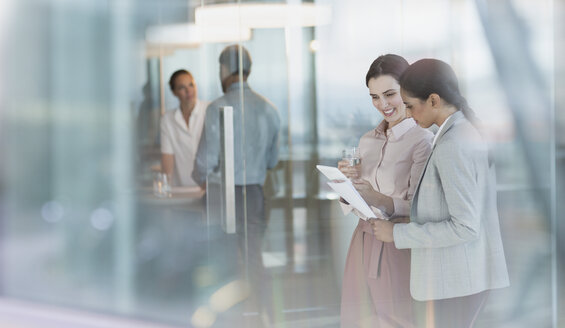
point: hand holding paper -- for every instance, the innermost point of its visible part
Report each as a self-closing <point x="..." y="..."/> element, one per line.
<point x="343" y="186"/>
<point x="352" y="172"/>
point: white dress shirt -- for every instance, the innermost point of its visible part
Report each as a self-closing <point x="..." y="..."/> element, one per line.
<point x="181" y="140"/>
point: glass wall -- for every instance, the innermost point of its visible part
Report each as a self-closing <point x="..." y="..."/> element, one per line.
<point x="84" y="89"/>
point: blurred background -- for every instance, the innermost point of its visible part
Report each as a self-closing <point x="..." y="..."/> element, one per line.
<point x="83" y="84"/>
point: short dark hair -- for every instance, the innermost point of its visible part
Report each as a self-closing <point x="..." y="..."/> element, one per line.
<point x="389" y="64"/>
<point x="175" y="75"/>
<point x="230" y="59"/>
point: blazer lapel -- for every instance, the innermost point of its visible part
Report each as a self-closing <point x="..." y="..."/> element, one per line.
<point x="454" y="118"/>
<point x="451" y="121"/>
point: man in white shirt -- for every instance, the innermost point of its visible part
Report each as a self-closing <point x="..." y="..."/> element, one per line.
<point x="181" y="130"/>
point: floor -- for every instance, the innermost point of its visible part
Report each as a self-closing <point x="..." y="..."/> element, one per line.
<point x="184" y="271"/>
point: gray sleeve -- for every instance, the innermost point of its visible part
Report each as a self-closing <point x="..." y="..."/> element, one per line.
<point x="273" y="153"/>
<point x="207" y="155"/>
<point x="458" y="170"/>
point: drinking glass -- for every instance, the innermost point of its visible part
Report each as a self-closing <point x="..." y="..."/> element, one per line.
<point x="352" y="155"/>
<point x="161" y="186"/>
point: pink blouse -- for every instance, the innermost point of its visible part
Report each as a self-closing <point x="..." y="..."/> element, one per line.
<point x="392" y="162"/>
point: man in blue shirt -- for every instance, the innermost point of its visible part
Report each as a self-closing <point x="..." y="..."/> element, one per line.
<point x="256" y="125"/>
<point x="256" y="129"/>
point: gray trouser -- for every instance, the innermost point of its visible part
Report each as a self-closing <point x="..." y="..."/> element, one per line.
<point x="250" y="240"/>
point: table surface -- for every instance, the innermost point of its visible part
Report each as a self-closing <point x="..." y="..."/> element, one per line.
<point x="179" y="195"/>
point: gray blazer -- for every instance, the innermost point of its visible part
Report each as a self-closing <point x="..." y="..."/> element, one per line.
<point x="454" y="231"/>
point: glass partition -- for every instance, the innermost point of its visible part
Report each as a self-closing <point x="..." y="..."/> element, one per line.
<point x="92" y="221"/>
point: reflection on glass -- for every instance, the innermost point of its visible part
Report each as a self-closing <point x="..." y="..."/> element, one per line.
<point x="82" y="90"/>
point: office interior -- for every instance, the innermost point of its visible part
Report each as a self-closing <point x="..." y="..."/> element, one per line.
<point x="85" y="243"/>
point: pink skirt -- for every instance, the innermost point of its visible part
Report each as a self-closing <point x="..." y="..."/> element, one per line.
<point x="373" y="297"/>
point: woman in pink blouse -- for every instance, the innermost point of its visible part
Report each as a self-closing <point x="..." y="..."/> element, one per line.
<point x="376" y="281"/>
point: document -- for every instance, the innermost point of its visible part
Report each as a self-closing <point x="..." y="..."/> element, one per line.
<point x="344" y="187"/>
<point x="332" y="173"/>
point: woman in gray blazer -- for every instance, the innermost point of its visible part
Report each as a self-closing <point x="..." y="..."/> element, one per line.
<point x="454" y="233"/>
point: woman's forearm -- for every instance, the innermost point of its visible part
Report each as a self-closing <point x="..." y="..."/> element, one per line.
<point x="382" y="202"/>
<point x="167" y="163"/>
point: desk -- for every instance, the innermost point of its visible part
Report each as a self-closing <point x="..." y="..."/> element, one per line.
<point x="190" y="197"/>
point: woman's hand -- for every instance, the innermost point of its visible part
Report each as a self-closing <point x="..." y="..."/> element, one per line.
<point x="365" y="189"/>
<point x="351" y="172"/>
<point x="382" y="229"/>
<point x="400" y="219"/>
<point x="373" y="197"/>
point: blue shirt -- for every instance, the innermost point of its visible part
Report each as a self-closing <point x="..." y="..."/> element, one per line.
<point x="256" y="131"/>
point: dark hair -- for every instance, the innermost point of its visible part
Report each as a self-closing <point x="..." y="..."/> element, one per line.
<point x="427" y="76"/>
<point x="175" y="75"/>
<point x="230" y="59"/>
<point x="390" y="64"/>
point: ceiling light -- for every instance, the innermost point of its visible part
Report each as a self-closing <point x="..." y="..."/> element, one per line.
<point x="263" y="15"/>
<point x="187" y="35"/>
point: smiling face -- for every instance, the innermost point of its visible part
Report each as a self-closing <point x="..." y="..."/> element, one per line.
<point x="385" y="92"/>
<point x="420" y="110"/>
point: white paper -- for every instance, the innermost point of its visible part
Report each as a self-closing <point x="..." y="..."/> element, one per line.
<point x="346" y="190"/>
<point x="343" y="186"/>
<point x="332" y="173"/>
